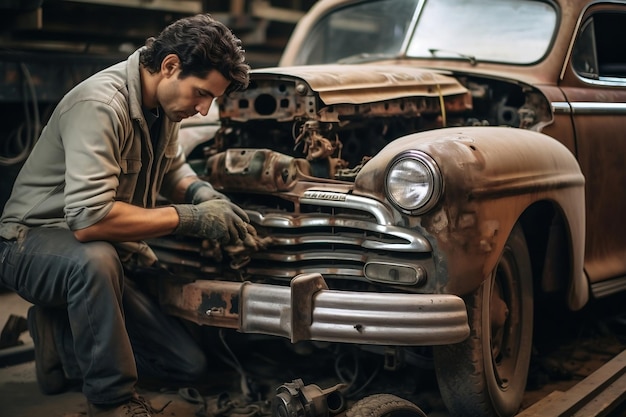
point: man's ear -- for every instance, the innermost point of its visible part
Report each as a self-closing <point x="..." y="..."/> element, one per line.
<point x="170" y="65"/>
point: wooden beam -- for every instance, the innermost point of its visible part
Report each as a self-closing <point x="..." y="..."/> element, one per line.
<point x="263" y="9"/>
<point x="181" y="6"/>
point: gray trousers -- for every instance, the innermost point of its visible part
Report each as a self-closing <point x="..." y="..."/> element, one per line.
<point x="107" y="333"/>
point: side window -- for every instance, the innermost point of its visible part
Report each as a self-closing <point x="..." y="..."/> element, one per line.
<point x="600" y="50"/>
<point x="584" y="56"/>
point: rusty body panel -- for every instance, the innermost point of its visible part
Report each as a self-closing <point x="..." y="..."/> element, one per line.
<point x="358" y="84"/>
<point x="498" y="173"/>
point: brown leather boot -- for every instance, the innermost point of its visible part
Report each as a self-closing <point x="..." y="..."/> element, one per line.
<point x="135" y="407"/>
<point x="50" y="374"/>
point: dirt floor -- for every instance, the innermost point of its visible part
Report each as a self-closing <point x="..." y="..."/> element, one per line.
<point x="256" y="367"/>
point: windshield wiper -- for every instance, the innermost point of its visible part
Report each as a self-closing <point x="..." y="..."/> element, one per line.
<point x="470" y="58"/>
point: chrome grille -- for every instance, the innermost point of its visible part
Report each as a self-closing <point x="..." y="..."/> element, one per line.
<point x="333" y="234"/>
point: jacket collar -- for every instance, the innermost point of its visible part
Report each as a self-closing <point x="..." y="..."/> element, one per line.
<point x="134" y="85"/>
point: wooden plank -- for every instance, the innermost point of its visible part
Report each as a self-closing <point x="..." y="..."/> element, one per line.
<point x="596" y="395"/>
<point x="606" y="402"/>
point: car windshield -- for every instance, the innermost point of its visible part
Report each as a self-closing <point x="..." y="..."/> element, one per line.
<point x="506" y="31"/>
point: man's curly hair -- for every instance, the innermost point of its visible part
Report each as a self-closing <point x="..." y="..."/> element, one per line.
<point x="202" y="44"/>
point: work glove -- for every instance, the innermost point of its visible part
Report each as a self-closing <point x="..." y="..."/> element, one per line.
<point x="240" y="252"/>
<point x="200" y="191"/>
<point x="217" y="220"/>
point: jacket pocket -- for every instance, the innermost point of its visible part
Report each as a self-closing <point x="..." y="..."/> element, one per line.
<point x="170" y="154"/>
<point x="128" y="179"/>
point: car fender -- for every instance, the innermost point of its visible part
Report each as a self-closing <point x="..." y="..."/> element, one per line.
<point x="491" y="175"/>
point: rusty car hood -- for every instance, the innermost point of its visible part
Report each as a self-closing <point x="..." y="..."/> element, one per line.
<point x="355" y="84"/>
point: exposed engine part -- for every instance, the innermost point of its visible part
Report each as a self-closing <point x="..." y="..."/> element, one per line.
<point x="294" y="399"/>
<point x="316" y="146"/>
<point x="319" y="150"/>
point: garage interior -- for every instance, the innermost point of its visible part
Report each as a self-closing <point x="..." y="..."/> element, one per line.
<point x="47" y="47"/>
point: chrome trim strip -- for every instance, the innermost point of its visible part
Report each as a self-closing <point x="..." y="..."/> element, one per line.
<point x="589" y="108"/>
<point x="598" y="108"/>
<point x="354" y="274"/>
<point x="608" y="287"/>
<point x="561" y="107"/>
<point x="603" y="81"/>
<point x="357" y="317"/>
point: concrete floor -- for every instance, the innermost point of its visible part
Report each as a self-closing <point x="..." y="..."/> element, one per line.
<point x="20" y="396"/>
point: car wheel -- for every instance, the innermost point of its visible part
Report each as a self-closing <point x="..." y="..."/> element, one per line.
<point x="384" y="405"/>
<point x="486" y="374"/>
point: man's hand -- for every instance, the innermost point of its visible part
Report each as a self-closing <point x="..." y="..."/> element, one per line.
<point x="201" y="191"/>
<point x="240" y="252"/>
<point x="217" y="220"/>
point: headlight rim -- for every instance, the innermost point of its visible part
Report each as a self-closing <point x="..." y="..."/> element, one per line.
<point x="436" y="186"/>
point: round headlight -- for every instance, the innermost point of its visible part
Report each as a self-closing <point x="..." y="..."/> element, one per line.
<point x="413" y="182"/>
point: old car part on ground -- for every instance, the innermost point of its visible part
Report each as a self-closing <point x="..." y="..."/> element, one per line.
<point x="429" y="174"/>
<point x="297" y="400"/>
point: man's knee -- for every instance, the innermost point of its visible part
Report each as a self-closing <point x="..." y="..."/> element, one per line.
<point x="99" y="253"/>
<point x="98" y="264"/>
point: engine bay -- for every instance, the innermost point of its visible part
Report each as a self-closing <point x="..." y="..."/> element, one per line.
<point x="331" y="130"/>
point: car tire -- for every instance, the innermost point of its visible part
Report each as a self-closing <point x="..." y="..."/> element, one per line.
<point x="384" y="405"/>
<point x="486" y="374"/>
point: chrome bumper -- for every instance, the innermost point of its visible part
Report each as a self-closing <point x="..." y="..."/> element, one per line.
<point x="308" y="310"/>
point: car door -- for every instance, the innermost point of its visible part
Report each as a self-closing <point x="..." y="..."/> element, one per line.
<point x="594" y="83"/>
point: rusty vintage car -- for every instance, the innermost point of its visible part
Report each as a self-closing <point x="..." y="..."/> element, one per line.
<point x="425" y="173"/>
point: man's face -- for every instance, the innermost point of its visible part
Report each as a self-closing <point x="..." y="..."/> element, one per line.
<point x="182" y="98"/>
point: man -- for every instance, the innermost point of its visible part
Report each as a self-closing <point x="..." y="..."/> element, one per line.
<point x="85" y="200"/>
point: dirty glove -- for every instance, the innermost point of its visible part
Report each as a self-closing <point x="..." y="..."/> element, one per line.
<point x="239" y="252"/>
<point x="217" y="220"/>
<point x="200" y="191"/>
